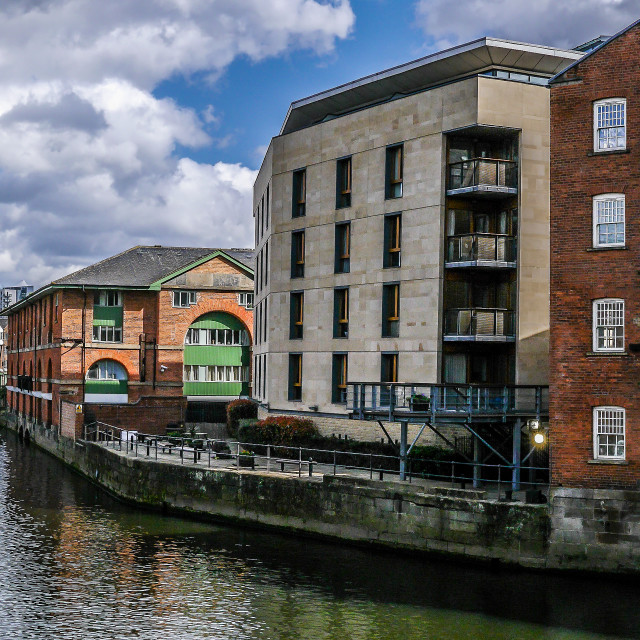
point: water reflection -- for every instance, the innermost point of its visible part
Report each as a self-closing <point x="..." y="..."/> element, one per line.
<point x="76" y="564"/>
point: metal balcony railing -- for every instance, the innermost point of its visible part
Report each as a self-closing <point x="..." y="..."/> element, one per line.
<point x="479" y="323"/>
<point x="481" y="247"/>
<point x="484" y="172"/>
<point x="442" y="401"/>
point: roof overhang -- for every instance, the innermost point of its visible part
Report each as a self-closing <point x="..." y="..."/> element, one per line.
<point x="433" y="70"/>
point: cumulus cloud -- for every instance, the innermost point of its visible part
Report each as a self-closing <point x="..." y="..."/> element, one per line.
<point x="562" y="24"/>
<point x="91" y="162"/>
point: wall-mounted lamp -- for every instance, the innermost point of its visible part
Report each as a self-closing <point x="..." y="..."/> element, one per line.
<point x="163" y="368"/>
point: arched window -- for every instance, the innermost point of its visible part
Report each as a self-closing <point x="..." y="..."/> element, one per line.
<point x="106" y="383"/>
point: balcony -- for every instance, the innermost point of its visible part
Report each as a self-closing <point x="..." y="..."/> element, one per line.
<point x="479" y="325"/>
<point x="483" y="177"/>
<point x="481" y="250"/>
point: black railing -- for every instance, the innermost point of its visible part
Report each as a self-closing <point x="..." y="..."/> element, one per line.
<point x="476" y="247"/>
<point x="390" y="400"/>
<point x="479" y="323"/>
<point x="485" y="172"/>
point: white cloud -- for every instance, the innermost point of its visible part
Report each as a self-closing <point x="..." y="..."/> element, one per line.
<point x="560" y="23"/>
<point x="88" y="155"/>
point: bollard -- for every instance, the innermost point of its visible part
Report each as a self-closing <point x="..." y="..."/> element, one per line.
<point x="381" y="474"/>
<point x="148" y="448"/>
<point x="195" y="455"/>
<point x="268" y="458"/>
<point x="310" y="467"/>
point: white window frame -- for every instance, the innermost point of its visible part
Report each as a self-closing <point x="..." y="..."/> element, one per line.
<point x="107" y="370"/>
<point x="597" y="128"/>
<point x="615" y="199"/>
<point x="612" y="415"/>
<point x="182" y="299"/>
<point x="105" y="295"/>
<point x="596" y="325"/>
<point x="103" y="332"/>
<point x="245" y="299"/>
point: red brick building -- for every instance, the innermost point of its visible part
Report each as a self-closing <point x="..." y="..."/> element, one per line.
<point x="150" y="337"/>
<point x="595" y="257"/>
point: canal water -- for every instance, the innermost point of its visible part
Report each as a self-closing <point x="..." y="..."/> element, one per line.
<point x="76" y="564"/>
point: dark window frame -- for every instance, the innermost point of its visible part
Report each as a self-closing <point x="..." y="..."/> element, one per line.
<point x="296" y="315"/>
<point x="394" y="171"/>
<point x="392" y="257"/>
<point x="389" y="363"/>
<point x="299" y="193"/>
<point x="342" y="263"/>
<point x="340" y="318"/>
<point x="297" y="253"/>
<point x="391" y="310"/>
<point x="339" y="377"/>
<point x="344" y="172"/>
<point x="295" y="377"/>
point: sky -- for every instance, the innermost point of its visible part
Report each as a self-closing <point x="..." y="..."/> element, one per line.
<point x="126" y="122"/>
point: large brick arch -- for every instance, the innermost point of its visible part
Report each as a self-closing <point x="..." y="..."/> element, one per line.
<point x="99" y="358"/>
<point x="221" y="305"/>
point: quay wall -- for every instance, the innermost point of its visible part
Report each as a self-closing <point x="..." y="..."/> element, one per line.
<point x="391" y="515"/>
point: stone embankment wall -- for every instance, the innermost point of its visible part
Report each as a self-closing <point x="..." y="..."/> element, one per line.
<point x="594" y="532"/>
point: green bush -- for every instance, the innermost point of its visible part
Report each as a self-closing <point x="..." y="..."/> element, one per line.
<point x="279" y="430"/>
<point x="238" y="409"/>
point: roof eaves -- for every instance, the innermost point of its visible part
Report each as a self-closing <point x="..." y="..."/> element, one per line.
<point x="555" y="78"/>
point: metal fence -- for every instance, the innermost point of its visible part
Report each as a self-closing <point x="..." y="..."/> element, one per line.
<point x="309" y="461"/>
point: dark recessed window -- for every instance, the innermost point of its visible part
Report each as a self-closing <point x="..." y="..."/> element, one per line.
<point x="393" y="171"/>
<point x="295" y="376"/>
<point x="343" y="183"/>
<point x="296" y="315"/>
<point x="341" y="313"/>
<point x="392" y="240"/>
<point x="389" y="367"/>
<point x="343" y="247"/>
<point x="297" y="254"/>
<point x="339" y="378"/>
<point x="390" y="310"/>
<point x="299" y="193"/>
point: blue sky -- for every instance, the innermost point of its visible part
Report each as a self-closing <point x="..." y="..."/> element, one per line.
<point x="125" y="122"/>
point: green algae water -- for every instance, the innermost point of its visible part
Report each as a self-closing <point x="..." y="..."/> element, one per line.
<point x="75" y="564"/>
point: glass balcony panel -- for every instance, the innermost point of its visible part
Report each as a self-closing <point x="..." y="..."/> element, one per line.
<point x="483" y="171"/>
<point x="482" y="323"/>
<point x="484" y="247"/>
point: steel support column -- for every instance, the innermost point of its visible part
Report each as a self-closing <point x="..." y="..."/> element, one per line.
<point x="404" y="428"/>
<point x="517" y="455"/>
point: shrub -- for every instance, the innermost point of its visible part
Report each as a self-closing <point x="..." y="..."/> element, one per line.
<point x="279" y="430"/>
<point x="238" y="409"/>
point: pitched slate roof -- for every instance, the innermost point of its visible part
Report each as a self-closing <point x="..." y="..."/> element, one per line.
<point x="142" y="266"/>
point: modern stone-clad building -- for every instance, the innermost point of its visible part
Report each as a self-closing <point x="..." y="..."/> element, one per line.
<point x="401" y="226"/>
<point x="595" y="255"/>
<point x="152" y="336"/>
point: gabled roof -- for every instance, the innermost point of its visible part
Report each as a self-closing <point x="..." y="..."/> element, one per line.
<point x="140" y="268"/>
<point x="559" y="76"/>
<point x="433" y="70"/>
<point x="143" y="266"/>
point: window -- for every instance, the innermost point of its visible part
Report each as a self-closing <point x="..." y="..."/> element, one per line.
<point x="56" y="311"/>
<point x="107" y="334"/>
<point x="339" y="379"/>
<point x="217" y="337"/>
<point x="215" y="373"/>
<point x="297" y="254"/>
<point x="609" y="124"/>
<point x="393" y="172"/>
<point x="107" y="299"/>
<point x="390" y="310"/>
<point x="343" y="183"/>
<point x="343" y="248"/>
<point x="296" y="317"/>
<point x="608" y="433"/>
<point x="295" y="376"/>
<point x="299" y="193"/>
<point x="389" y="367"/>
<point x="184" y="298"/>
<point x="107" y="370"/>
<point x="608" y="325"/>
<point x="245" y="300"/>
<point x="392" y="240"/>
<point x="608" y="220"/>
<point x="341" y="313"/>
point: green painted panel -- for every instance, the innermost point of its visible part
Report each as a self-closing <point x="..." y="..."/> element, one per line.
<point x="208" y="354"/>
<point x="107" y="316"/>
<point x="215" y="388"/>
<point x="106" y="386"/>
<point x="217" y="320"/>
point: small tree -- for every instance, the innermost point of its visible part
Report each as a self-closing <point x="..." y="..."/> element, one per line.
<point x="237" y="410"/>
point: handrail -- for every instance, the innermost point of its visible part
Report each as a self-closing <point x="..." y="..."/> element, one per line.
<point x="483" y="171"/>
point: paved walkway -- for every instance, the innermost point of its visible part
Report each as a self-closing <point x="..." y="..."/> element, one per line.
<point x="292" y="468"/>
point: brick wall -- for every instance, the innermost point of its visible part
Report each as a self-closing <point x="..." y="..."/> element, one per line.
<point x="71" y="422"/>
<point x="581" y="379"/>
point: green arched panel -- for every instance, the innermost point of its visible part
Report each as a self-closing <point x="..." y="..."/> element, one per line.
<point x="221" y="355"/>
